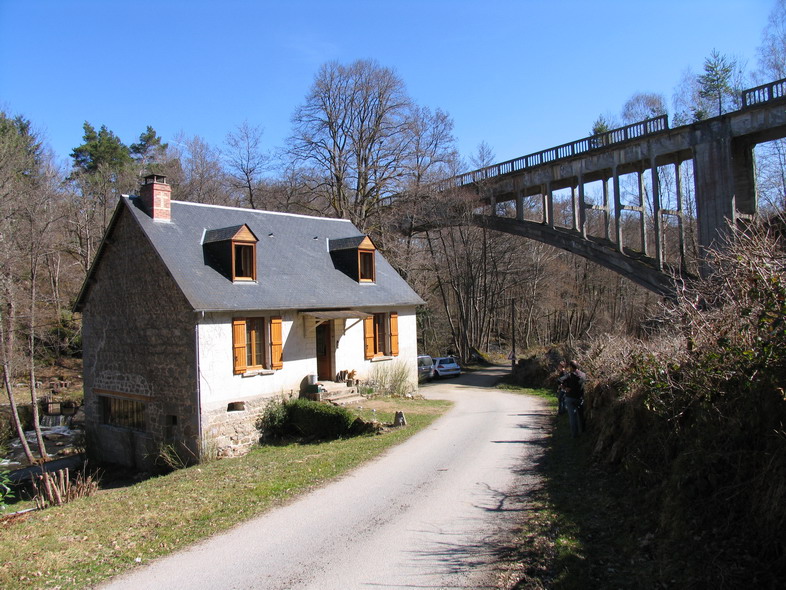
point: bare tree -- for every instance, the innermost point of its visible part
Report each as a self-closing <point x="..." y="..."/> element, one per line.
<point x="355" y="129"/>
<point x="771" y="156"/>
<point x="643" y="105"/>
<point x="201" y="175"/>
<point x="246" y="161"/>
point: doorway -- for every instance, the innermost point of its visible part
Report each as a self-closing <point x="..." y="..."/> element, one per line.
<point x="325" y="351"/>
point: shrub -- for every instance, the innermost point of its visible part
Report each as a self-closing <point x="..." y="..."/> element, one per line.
<point x="317" y="420"/>
<point x="695" y="415"/>
<point x="273" y="422"/>
<point x="305" y="418"/>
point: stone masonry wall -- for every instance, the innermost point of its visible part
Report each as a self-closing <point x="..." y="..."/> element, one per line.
<point x="139" y="343"/>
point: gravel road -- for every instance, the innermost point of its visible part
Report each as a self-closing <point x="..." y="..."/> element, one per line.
<point x="430" y="513"/>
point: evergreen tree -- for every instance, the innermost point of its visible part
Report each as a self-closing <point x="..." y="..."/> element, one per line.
<point x="100" y="149"/>
<point x="150" y="152"/>
<point x="715" y="82"/>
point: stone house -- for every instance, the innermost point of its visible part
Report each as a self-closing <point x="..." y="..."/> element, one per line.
<point x="195" y="315"/>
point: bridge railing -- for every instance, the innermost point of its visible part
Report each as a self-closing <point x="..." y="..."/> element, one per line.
<point x="560" y="152"/>
<point x="764" y="93"/>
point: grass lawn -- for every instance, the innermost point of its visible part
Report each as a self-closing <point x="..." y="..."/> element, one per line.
<point x="92" y="539"/>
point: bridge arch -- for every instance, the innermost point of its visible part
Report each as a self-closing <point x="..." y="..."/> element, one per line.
<point x="630" y="264"/>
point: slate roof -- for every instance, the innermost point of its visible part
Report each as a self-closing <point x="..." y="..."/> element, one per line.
<point x="294" y="266"/>
<point x="346" y="243"/>
<point x="221" y="234"/>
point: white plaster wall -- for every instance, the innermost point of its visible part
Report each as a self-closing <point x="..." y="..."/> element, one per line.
<point x="350" y="353"/>
<point x="219" y="386"/>
<point x="217" y="382"/>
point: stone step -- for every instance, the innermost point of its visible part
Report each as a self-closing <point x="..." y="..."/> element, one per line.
<point x="347" y="401"/>
<point x="336" y="394"/>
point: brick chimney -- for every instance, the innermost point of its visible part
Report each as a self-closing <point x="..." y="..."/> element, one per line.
<point x="156" y="194"/>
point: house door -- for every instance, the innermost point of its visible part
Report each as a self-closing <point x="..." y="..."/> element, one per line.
<point x="325" y="351"/>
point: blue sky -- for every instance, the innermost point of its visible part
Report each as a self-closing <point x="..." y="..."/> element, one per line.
<point x="520" y="75"/>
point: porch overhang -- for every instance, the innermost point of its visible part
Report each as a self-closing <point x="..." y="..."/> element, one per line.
<point x="340" y="314"/>
<point x="328" y="315"/>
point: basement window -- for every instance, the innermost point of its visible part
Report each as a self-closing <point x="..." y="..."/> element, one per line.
<point x="123" y="413"/>
<point x="236" y="407"/>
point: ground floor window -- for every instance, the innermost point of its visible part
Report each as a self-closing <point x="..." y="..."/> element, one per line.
<point x="381" y="334"/>
<point x="123" y="412"/>
<point x="257" y="343"/>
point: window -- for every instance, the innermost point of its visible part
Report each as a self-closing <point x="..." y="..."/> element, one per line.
<point x="257" y="344"/>
<point x="123" y="412"/>
<point x="381" y="335"/>
<point x="366" y="265"/>
<point x="244" y="262"/>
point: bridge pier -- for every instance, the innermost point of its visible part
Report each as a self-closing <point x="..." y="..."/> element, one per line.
<point x="725" y="182"/>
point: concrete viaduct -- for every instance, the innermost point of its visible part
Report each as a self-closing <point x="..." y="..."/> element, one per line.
<point x="720" y="150"/>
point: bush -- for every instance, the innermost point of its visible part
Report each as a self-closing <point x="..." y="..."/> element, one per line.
<point x="304" y="418"/>
<point x="392" y="379"/>
<point x="695" y="415"/>
<point x="273" y="422"/>
<point x="317" y="420"/>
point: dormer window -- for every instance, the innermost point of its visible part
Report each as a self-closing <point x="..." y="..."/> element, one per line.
<point x="245" y="261"/>
<point x="232" y="251"/>
<point x="355" y="257"/>
<point x="366" y="265"/>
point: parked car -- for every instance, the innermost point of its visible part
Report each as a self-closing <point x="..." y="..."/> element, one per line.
<point x="445" y="366"/>
<point x="425" y="367"/>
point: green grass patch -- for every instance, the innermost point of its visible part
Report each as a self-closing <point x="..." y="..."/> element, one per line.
<point x="89" y="540"/>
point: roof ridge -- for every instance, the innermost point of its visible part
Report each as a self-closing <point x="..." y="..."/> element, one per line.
<point x="265" y="211"/>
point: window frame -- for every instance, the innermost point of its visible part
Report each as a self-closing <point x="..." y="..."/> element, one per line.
<point x="244" y="344"/>
<point x="123" y="412"/>
<point x="241" y="261"/>
<point x="380" y="335"/>
<point x="371" y="267"/>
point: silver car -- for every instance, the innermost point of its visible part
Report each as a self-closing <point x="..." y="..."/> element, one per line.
<point x="425" y="367"/>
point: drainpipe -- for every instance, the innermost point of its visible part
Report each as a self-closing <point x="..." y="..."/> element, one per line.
<point x="198" y="386"/>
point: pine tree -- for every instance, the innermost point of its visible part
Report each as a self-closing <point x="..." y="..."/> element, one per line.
<point x="715" y="82"/>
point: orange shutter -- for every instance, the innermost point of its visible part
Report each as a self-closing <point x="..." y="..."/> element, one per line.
<point x="276" y="344"/>
<point x="394" y="333"/>
<point x="368" y="333"/>
<point x="239" y="346"/>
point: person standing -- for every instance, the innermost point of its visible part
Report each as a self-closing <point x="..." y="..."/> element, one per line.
<point x="562" y="374"/>
<point x="574" y="397"/>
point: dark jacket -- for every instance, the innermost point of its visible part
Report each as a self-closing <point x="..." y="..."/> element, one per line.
<point x="574" y="384"/>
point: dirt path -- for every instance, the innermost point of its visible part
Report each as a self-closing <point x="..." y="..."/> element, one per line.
<point x="430" y="513"/>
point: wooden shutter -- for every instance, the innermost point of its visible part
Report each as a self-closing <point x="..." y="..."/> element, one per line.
<point x="394" y="333"/>
<point x="368" y="334"/>
<point x="276" y="344"/>
<point x="239" y="346"/>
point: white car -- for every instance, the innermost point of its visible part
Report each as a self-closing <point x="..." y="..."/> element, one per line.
<point x="446" y="366"/>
